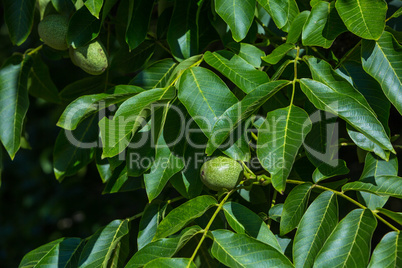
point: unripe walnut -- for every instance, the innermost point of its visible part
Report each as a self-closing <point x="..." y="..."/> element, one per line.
<point x="91" y="58"/>
<point x="221" y="173"/>
<point x="53" y="31"/>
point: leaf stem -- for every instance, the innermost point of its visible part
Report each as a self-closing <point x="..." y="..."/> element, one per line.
<point x="209" y="225"/>
<point x="350" y="200"/>
<point x="295" y="74"/>
<point x="33" y="51"/>
<point x="273" y="202"/>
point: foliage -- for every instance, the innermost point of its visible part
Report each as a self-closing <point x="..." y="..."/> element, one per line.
<point x="278" y="86"/>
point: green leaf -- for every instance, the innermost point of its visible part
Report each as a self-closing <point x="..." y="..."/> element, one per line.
<point x="314" y="228"/>
<point x="243" y="221"/>
<point x="156" y="75"/>
<point x="330" y="92"/>
<point x="163" y="168"/>
<point x="121" y="182"/>
<point x="282" y="12"/>
<point x="294" y="207"/>
<point x="99" y="248"/>
<point x="322" y="26"/>
<point x="279" y="140"/>
<point x="239" y="71"/>
<point x="58" y="253"/>
<point x="364" y="18"/>
<point x="382" y="58"/>
<point x="14" y="101"/>
<point x="182" y="34"/>
<point x="148" y="224"/>
<point x="184" y="214"/>
<point x="19" y="15"/>
<point x="239" y="250"/>
<point x="94" y="6"/>
<point x="278" y="53"/>
<point x="240" y="111"/>
<point x="184" y="65"/>
<point x="85" y="86"/>
<point x="116" y="134"/>
<point x="388" y="252"/>
<point x="165" y="247"/>
<point x="74" y="150"/>
<point x="349" y="244"/>
<point x="397" y="13"/>
<point x="140" y="12"/>
<point x="102" y="165"/>
<point x="171" y="263"/>
<point x="141" y="152"/>
<point x="373" y="167"/>
<point x="296" y="27"/>
<point x="275" y="212"/>
<point x="238" y="14"/>
<point x="41" y="84"/>
<point x="247" y="52"/>
<point x="380" y="185"/>
<point x="83" y="28"/>
<point x="396" y="216"/>
<point x="63" y="6"/>
<point x="205" y="96"/>
<point x="325" y="171"/>
<point x="87" y="105"/>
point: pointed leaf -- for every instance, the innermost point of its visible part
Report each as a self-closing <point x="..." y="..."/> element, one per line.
<point x="332" y="93"/>
<point x="364" y="18"/>
<point x="156" y="75"/>
<point x="243" y="220"/>
<point x="381" y="185"/>
<point x="87" y="105"/>
<point x="239" y="250"/>
<point x="165" y="247"/>
<point x="74" y="150"/>
<point x="349" y="244"/>
<point x="164" y="167"/>
<point x="184" y="214"/>
<point x="322" y="26"/>
<point x="82" y="28"/>
<point x="296" y="27"/>
<point x="140" y="12"/>
<point x="94" y="6"/>
<point x="382" y="58"/>
<point x="148" y="224"/>
<point x="247" y="52"/>
<point x="396" y="216"/>
<point x="279" y="140"/>
<point x="325" y="171"/>
<point x="97" y="251"/>
<point x="315" y="227"/>
<point x="240" y="111"/>
<point x="58" y="253"/>
<point x="294" y="207"/>
<point x="238" y="14"/>
<point x="388" y="252"/>
<point x="182" y="34"/>
<point x="282" y="12"/>
<point x="117" y="133"/>
<point x="239" y="71"/>
<point x="41" y="84"/>
<point x="19" y="15"/>
<point x="205" y="96"/>
<point x="121" y="182"/>
<point x="278" y="53"/>
<point x="373" y="167"/>
<point x="14" y="101"/>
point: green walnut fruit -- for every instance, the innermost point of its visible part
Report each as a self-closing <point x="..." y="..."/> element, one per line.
<point x="91" y="58"/>
<point x="53" y="31"/>
<point x="221" y="173"/>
